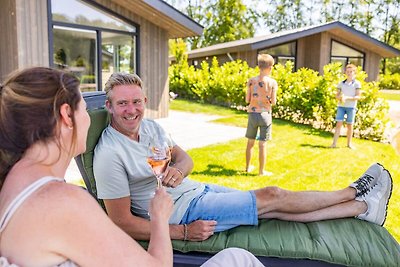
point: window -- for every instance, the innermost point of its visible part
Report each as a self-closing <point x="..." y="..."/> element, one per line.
<point x="90" y="43"/>
<point x="346" y="55"/>
<point x="118" y="54"/>
<point x="282" y="53"/>
<point x="75" y="51"/>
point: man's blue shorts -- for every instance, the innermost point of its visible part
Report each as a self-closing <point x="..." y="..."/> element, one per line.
<point x="350" y="114"/>
<point x="229" y="207"/>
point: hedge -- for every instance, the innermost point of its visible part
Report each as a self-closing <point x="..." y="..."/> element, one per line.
<point x="304" y="96"/>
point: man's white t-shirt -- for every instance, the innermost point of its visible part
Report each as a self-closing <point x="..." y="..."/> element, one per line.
<point x="120" y="168"/>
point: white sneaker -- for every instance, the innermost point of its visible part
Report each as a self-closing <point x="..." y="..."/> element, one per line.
<point x="377" y="200"/>
<point x="368" y="180"/>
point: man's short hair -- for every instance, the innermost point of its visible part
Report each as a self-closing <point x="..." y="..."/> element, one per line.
<point x="265" y="61"/>
<point x="122" y="78"/>
<point x="351" y="66"/>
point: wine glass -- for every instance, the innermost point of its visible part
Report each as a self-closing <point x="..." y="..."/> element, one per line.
<point x="158" y="158"/>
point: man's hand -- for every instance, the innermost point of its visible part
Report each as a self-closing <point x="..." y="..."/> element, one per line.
<point x="172" y="177"/>
<point x="200" y="230"/>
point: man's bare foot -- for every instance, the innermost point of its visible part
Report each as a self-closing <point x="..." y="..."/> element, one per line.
<point x="333" y="146"/>
<point x="265" y="173"/>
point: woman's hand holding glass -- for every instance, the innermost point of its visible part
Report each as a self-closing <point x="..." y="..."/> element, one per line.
<point x="161" y="205"/>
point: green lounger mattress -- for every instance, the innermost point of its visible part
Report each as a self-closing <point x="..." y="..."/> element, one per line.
<point x="344" y="242"/>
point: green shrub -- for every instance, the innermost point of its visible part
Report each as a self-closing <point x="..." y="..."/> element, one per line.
<point x="88" y="79"/>
<point x="303" y="96"/>
<point x="389" y="81"/>
<point x="372" y="115"/>
<point x="222" y="85"/>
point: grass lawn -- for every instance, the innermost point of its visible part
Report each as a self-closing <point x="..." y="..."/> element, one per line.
<point x="298" y="156"/>
<point x="390" y="94"/>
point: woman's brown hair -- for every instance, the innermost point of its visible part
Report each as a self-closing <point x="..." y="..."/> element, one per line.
<point x="30" y="102"/>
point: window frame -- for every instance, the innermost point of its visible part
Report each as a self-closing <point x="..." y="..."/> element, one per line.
<point x="346" y="57"/>
<point x="135" y="35"/>
<point x="276" y="57"/>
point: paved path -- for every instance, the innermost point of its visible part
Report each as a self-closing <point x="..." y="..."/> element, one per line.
<point x="189" y="130"/>
<point x="394" y="111"/>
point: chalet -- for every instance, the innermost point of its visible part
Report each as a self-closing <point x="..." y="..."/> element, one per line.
<point x="311" y="47"/>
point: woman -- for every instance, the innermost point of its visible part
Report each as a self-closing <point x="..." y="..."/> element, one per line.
<point x="47" y="222"/>
<point x="43" y="124"/>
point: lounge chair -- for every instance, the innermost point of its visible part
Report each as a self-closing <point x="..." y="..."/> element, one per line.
<point x="341" y="242"/>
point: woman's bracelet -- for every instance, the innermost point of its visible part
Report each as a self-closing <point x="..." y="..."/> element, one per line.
<point x="185" y="232"/>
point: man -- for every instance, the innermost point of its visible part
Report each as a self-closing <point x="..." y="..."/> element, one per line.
<point x="126" y="182"/>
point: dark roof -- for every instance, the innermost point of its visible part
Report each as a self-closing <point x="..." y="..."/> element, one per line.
<point x="260" y="42"/>
<point x="160" y="13"/>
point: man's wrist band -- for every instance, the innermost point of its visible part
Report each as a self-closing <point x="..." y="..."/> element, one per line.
<point x="185" y="232"/>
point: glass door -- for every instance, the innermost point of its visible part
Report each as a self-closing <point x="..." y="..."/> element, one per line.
<point x="118" y="54"/>
<point x="75" y="51"/>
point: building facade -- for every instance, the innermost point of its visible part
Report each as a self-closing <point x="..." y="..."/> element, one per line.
<point x="94" y="38"/>
<point x="311" y="47"/>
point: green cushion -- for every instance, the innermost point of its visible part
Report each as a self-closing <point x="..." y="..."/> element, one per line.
<point x="99" y="121"/>
<point x="349" y="242"/>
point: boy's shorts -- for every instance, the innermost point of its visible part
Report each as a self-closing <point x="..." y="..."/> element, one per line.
<point x="350" y="114"/>
<point x="259" y="120"/>
<point x="229" y="207"/>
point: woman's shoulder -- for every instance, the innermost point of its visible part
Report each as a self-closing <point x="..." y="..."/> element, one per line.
<point x="61" y="209"/>
<point x="50" y="220"/>
<point x="57" y="198"/>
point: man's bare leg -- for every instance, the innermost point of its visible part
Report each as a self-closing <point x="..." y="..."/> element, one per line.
<point x="346" y="209"/>
<point x="369" y="199"/>
<point x="275" y="199"/>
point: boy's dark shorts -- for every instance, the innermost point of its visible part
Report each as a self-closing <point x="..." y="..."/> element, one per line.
<point x="259" y="120"/>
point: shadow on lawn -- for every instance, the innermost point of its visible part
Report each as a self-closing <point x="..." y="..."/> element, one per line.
<point x="315" y="146"/>
<point x="307" y="129"/>
<point x="217" y="170"/>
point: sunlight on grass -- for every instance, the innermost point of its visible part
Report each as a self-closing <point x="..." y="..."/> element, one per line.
<point x="188" y="106"/>
<point x="299" y="158"/>
<point x="390" y="95"/>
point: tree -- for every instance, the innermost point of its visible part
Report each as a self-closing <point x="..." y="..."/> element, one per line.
<point x="228" y="20"/>
<point x="285" y="14"/>
<point x="178" y="49"/>
<point x="390" y="10"/>
<point x="223" y="20"/>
